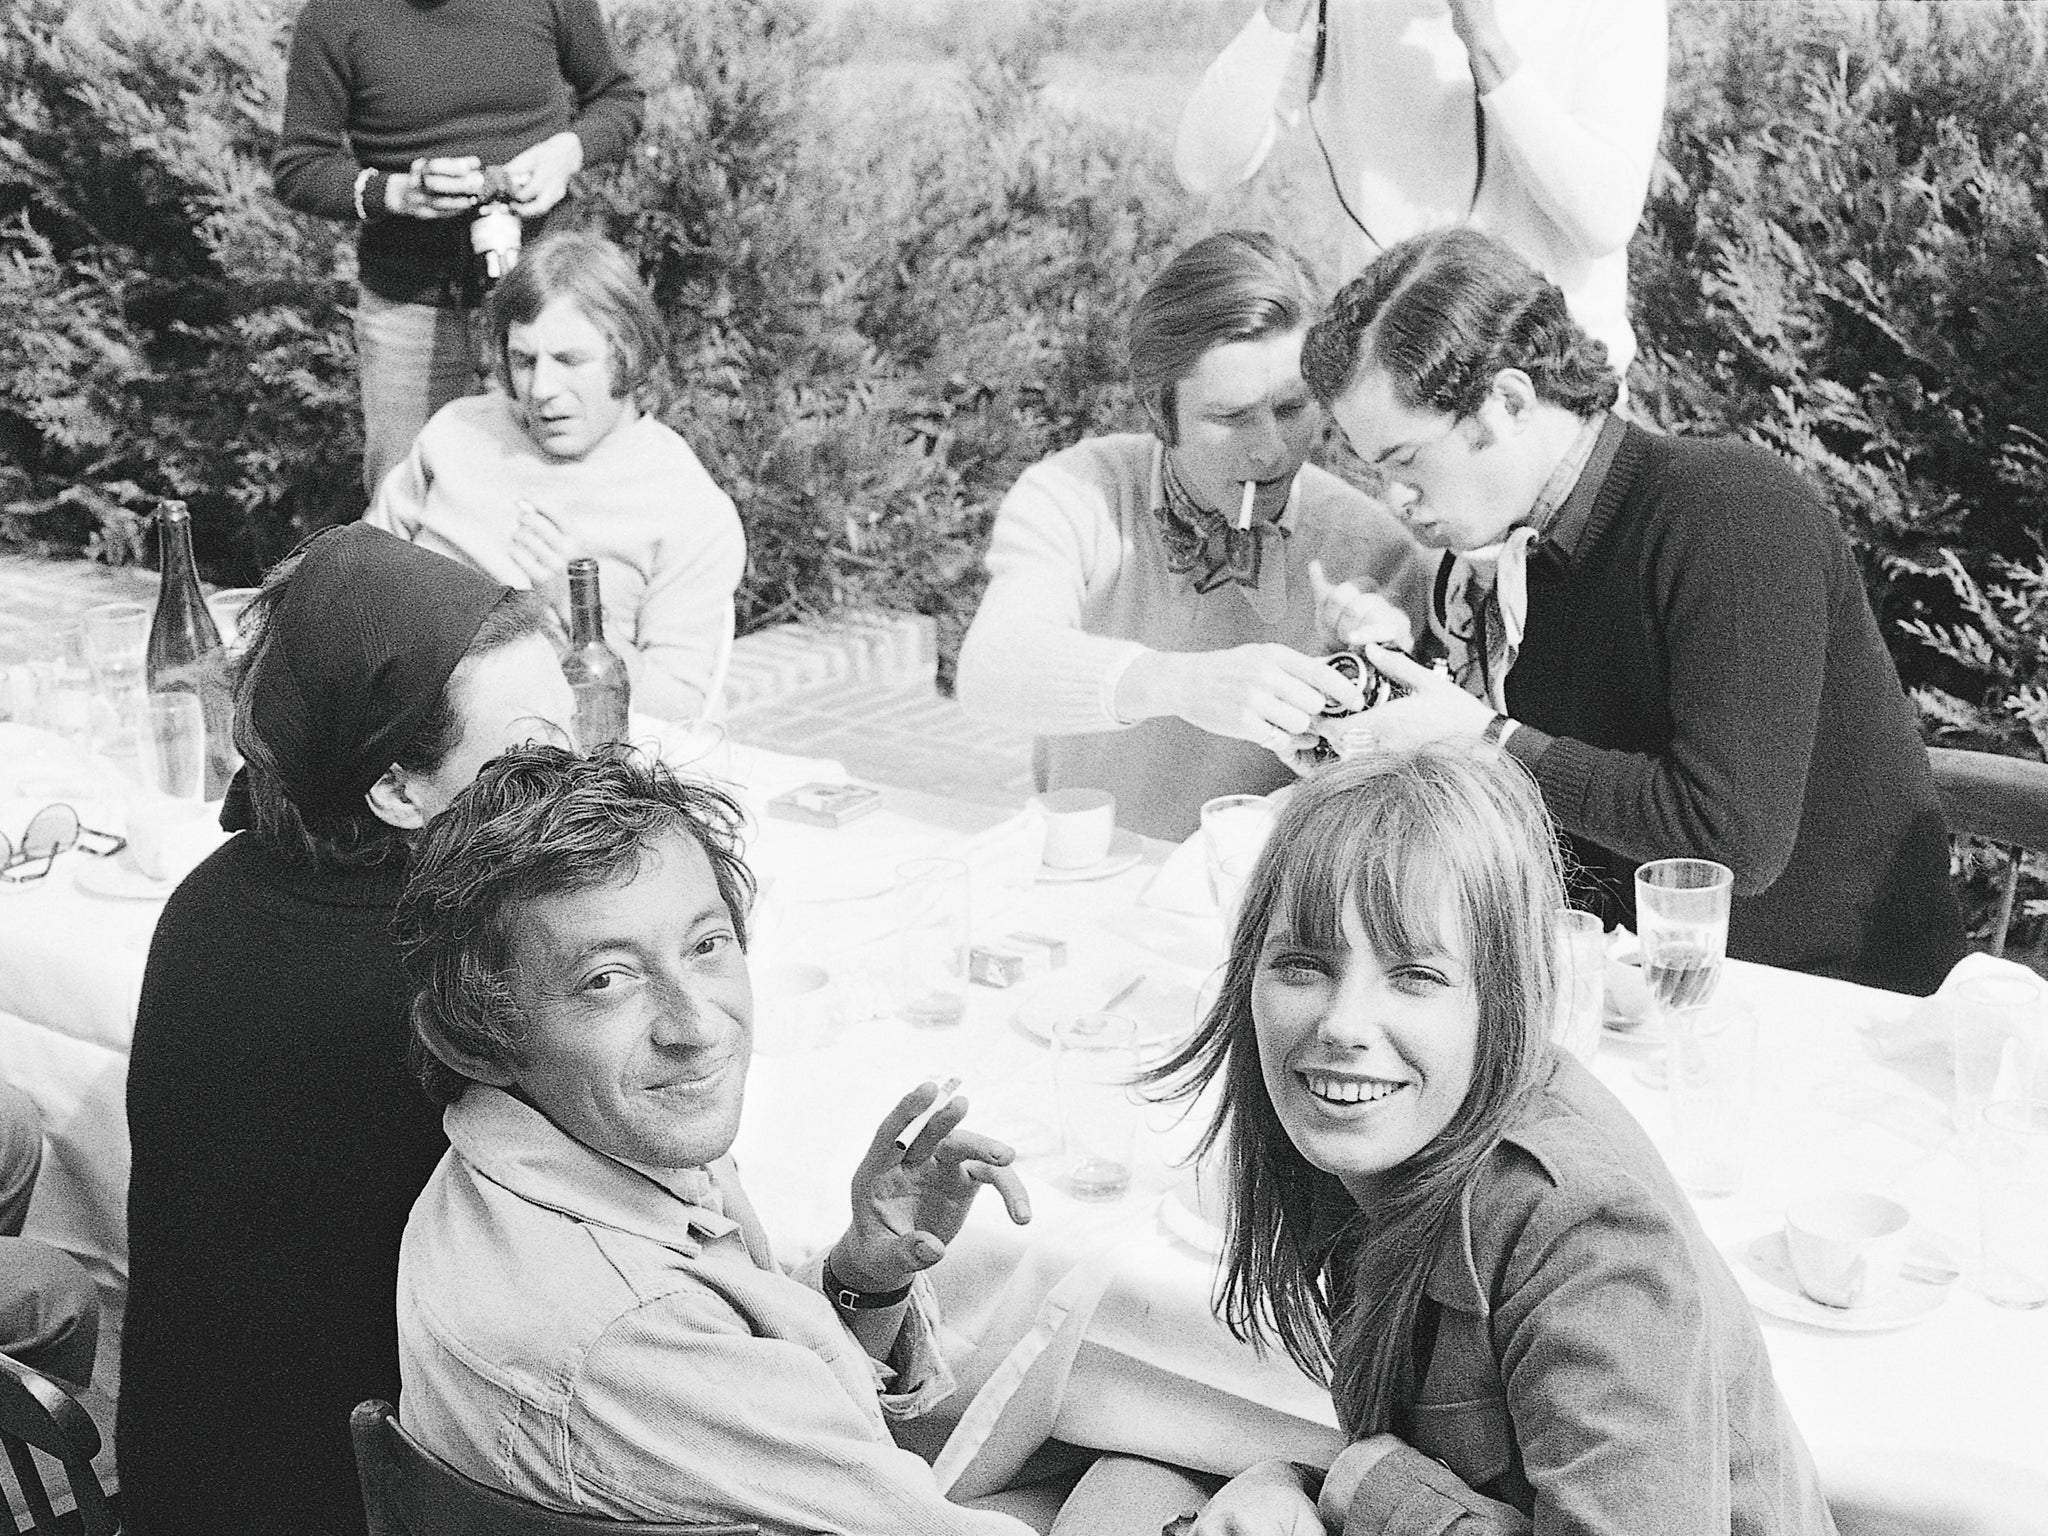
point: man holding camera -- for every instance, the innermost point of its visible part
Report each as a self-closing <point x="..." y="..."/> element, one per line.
<point x="1669" y="633"/>
<point x="1157" y="602"/>
<point x="405" y="116"/>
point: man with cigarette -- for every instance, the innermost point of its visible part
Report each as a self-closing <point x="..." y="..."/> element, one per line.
<point x="589" y="1316"/>
<point x="1158" y="602"/>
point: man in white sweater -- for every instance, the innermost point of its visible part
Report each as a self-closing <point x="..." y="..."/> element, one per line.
<point x="1533" y="120"/>
<point x="564" y="460"/>
<point x="1157" y="601"/>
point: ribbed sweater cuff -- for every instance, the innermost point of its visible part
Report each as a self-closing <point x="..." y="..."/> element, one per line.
<point x="1564" y="772"/>
<point x="1061" y="683"/>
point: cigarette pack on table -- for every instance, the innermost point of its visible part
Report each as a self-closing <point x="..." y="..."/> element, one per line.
<point x="1013" y="958"/>
<point x="825" y="805"/>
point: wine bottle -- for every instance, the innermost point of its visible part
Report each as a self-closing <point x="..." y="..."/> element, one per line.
<point x="185" y="654"/>
<point x="596" y="674"/>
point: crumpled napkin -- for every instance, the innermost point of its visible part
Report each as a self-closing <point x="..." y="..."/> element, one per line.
<point x="1927" y="1024"/>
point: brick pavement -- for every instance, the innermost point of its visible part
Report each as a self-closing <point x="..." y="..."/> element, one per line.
<point x="860" y="691"/>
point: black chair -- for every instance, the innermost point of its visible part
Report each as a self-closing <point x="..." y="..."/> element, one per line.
<point x="2003" y="800"/>
<point x="36" y="1411"/>
<point x="409" y="1491"/>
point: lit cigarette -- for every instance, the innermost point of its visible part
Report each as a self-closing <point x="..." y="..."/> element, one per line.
<point x="949" y="1090"/>
<point x="1244" y="512"/>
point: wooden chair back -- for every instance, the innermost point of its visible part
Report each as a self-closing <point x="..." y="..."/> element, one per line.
<point x="2003" y="800"/>
<point x="409" y="1491"/>
<point x="37" y="1412"/>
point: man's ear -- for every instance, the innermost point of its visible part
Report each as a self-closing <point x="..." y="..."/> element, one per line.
<point x="395" y="800"/>
<point x="477" y="1069"/>
<point x="1516" y="394"/>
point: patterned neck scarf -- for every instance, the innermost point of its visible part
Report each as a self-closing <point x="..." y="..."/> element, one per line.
<point x="1207" y="547"/>
<point x="1485" y="597"/>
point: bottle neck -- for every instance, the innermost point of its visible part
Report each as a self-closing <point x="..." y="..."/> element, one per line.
<point x="174" y="550"/>
<point x="586" y="607"/>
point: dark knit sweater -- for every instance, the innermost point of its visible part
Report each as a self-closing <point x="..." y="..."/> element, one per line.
<point x="279" y="1143"/>
<point x="382" y="83"/>
<point x="1708" y="664"/>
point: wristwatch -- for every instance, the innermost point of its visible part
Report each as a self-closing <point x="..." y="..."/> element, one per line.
<point x="1496" y="730"/>
<point x="847" y="1299"/>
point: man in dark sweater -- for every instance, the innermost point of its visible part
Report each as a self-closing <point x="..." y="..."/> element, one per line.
<point x="393" y="110"/>
<point x="1671" y="635"/>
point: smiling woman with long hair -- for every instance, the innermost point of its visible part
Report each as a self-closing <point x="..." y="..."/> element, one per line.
<point x="1449" y="1221"/>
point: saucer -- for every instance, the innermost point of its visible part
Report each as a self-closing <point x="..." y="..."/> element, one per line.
<point x="119" y="878"/>
<point x="1186" y="1224"/>
<point x="1763" y="1268"/>
<point x="1163" y="1007"/>
<point x="1125" y="849"/>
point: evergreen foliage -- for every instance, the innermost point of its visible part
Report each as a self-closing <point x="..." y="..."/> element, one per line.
<point x="884" y="307"/>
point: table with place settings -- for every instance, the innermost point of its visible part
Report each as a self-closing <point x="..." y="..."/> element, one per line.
<point x="1093" y="1323"/>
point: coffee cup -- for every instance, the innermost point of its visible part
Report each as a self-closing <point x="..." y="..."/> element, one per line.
<point x="1078" y="826"/>
<point x="167" y="837"/>
<point x="1847" y="1247"/>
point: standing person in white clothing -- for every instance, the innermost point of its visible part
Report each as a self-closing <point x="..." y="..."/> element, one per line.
<point x="1158" y="602"/>
<point x="1533" y="120"/>
<point x="564" y="459"/>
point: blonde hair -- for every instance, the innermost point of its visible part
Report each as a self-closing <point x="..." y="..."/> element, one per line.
<point x="1397" y="839"/>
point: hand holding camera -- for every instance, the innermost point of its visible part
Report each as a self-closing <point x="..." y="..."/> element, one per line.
<point x="443" y="187"/>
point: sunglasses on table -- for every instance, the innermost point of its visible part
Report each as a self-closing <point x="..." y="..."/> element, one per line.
<point x="53" y="830"/>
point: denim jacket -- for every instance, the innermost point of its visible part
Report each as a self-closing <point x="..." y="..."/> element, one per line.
<point x="1596" y="1368"/>
<point x="617" y="1341"/>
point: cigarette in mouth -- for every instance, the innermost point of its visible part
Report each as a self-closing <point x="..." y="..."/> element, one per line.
<point x="1244" y="512"/>
<point x="949" y="1090"/>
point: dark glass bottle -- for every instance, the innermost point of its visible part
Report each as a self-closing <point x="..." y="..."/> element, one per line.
<point x="185" y="654"/>
<point x="595" y="672"/>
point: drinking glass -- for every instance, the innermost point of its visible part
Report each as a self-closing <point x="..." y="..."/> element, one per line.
<point x="932" y="913"/>
<point x="2015" y="1202"/>
<point x="116" y="640"/>
<point x="1094" y="1062"/>
<point x="1996" y="1025"/>
<point x="171" y="745"/>
<point x="1234" y="830"/>
<point x="1682" y="928"/>
<point x="1710" y="1069"/>
<point x="1581" y="952"/>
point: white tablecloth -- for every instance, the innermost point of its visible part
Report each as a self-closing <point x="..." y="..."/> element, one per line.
<point x="1093" y="1322"/>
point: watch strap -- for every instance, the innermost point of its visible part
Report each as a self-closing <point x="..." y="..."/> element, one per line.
<point x="847" y="1299"/>
<point x="1496" y="730"/>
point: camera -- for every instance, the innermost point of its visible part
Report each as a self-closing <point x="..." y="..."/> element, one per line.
<point x="1371" y="683"/>
<point x="494" y="232"/>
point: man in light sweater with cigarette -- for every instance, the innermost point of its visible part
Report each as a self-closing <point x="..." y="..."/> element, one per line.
<point x="1158" y="602"/>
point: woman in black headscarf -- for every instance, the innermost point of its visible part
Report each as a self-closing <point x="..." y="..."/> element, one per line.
<point x="278" y="1139"/>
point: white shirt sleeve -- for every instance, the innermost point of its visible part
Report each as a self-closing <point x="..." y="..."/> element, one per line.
<point x="1245" y="101"/>
<point x="1585" y="152"/>
<point x="1026" y="661"/>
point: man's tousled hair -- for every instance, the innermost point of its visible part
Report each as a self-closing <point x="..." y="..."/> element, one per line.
<point x="1441" y="314"/>
<point x="539" y="821"/>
